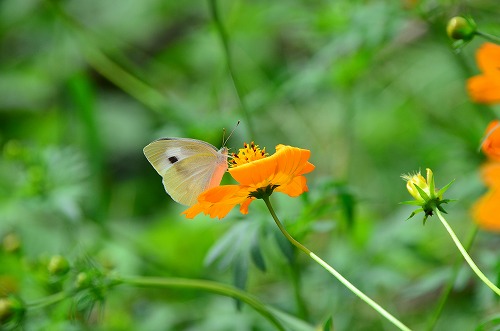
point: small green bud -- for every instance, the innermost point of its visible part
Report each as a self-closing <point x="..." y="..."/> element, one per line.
<point x="11" y="243"/>
<point x="6" y="310"/>
<point x="12" y="311"/>
<point x="13" y="149"/>
<point x="82" y="280"/>
<point x="461" y="28"/>
<point x="58" y="265"/>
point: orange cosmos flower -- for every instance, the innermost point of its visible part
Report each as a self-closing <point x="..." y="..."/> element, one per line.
<point x="491" y="143"/>
<point x="485" y="88"/>
<point x="258" y="175"/>
<point x="486" y="211"/>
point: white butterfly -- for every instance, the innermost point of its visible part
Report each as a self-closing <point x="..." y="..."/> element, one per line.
<point x="188" y="166"/>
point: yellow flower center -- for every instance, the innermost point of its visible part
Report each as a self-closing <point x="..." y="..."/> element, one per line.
<point x="249" y="153"/>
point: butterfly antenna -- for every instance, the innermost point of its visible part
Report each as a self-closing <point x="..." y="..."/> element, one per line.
<point x="224" y="141"/>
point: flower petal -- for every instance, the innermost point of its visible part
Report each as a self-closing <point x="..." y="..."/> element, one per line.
<point x="245" y="204"/>
<point x="217" y="201"/>
<point x="295" y="188"/>
<point x="486" y="211"/>
<point x="490" y="173"/>
<point x="484" y="89"/>
<point x="491" y="143"/>
<point x="488" y="59"/>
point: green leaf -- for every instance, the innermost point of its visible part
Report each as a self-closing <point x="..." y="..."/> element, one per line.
<point x="285" y="246"/>
<point x="240" y="277"/>
<point x="224" y="248"/>
<point x="424" y="195"/>
<point x="491" y="324"/>
<point x="415" y="212"/>
<point x="411" y="202"/>
<point x="444" y="189"/>
<point x="347" y="203"/>
<point x="328" y="325"/>
<point x="256" y="253"/>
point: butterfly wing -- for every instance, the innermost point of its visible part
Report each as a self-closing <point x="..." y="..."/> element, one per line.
<point x="188" y="166"/>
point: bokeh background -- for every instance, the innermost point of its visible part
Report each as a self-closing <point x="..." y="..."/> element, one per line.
<point x="373" y="88"/>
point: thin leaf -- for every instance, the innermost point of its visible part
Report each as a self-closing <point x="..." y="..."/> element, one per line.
<point x="328" y="325"/>
<point x="240" y="277"/>
<point x="424" y="195"/>
<point x="256" y="253"/>
<point x="222" y="246"/>
<point x="285" y="246"/>
<point x="411" y="202"/>
<point x="446" y="187"/>
<point x="415" y="212"/>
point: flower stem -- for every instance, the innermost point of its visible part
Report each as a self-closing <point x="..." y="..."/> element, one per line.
<point x="157" y="282"/>
<point x="47" y="301"/>
<point x="489" y="37"/>
<point x="449" y="286"/>
<point x="466" y="255"/>
<point x="229" y="62"/>
<point x="334" y="272"/>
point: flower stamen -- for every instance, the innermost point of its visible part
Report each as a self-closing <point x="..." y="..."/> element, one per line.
<point x="249" y="153"/>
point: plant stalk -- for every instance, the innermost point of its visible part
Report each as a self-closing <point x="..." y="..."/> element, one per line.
<point x="465" y="254"/>
<point x="334" y="272"/>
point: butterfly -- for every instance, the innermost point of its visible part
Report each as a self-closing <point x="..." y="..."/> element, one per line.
<point x="188" y="166"/>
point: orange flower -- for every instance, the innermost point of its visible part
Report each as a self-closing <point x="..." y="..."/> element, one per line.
<point x="486" y="211"/>
<point x="258" y="175"/>
<point x="485" y="88"/>
<point x="491" y="143"/>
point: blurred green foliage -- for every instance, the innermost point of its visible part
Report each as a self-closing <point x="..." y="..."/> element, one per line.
<point x="372" y="88"/>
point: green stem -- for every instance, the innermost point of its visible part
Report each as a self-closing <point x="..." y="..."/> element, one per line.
<point x="451" y="282"/>
<point x="466" y="255"/>
<point x="210" y="286"/>
<point x="47" y="301"/>
<point x="334" y="272"/>
<point x="489" y="37"/>
<point x="104" y="65"/>
<point x="229" y="62"/>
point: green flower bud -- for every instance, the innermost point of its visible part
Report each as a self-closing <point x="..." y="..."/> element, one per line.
<point x="11" y="243"/>
<point x="6" y="310"/>
<point x="58" y="265"/>
<point x="82" y="280"/>
<point x="461" y="28"/>
<point x="12" y="311"/>
<point x="426" y="196"/>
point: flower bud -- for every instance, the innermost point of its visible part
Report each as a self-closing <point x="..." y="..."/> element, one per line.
<point x="426" y="196"/>
<point x="461" y="28"/>
<point x="58" y="265"/>
<point x="82" y="280"/>
<point x="412" y="181"/>
<point x="6" y="310"/>
<point x="11" y="243"/>
<point x="12" y="311"/>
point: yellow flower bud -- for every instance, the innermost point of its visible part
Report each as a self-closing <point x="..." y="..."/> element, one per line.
<point x="425" y="194"/>
<point x="424" y="184"/>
